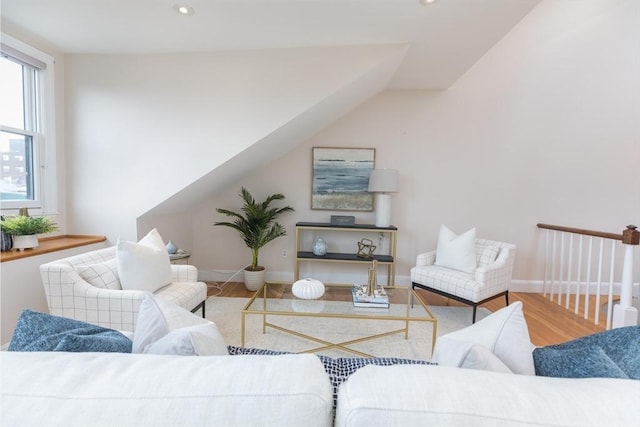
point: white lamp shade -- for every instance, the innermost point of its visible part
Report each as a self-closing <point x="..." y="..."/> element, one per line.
<point x="383" y="181"/>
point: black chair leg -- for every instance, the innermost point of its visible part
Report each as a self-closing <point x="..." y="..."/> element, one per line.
<point x="506" y="297"/>
<point x="474" y="313"/>
<point x="198" y="307"/>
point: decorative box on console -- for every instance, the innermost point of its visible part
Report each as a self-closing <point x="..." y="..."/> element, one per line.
<point x="343" y="219"/>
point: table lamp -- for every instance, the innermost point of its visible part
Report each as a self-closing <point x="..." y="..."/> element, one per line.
<point x="382" y="182"/>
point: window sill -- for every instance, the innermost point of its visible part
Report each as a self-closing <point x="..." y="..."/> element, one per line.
<point x="51" y="244"/>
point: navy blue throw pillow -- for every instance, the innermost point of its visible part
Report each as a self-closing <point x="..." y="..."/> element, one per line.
<point x="587" y="362"/>
<point x="44" y="332"/>
<point x="621" y="346"/>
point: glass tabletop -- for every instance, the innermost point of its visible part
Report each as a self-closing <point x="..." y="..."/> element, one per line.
<point x="277" y="298"/>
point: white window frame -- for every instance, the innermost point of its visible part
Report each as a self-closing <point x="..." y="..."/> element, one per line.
<point x="44" y="140"/>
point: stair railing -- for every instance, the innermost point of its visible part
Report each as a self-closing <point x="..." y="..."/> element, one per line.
<point x="579" y="269"/>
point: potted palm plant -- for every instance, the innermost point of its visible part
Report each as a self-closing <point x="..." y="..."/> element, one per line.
<point x="257" y="227"/>
<point x="24" y="229"/>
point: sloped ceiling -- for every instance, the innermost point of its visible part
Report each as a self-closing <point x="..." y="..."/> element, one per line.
<point x="445" y="38"/>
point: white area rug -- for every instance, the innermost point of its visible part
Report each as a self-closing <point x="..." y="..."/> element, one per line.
<point x="226" y="313"/>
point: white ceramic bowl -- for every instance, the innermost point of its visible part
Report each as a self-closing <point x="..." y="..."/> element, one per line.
<point x="308" y="288"/>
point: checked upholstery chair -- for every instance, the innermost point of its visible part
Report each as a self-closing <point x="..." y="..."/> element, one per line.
<point x="490" y="279"/>
<point x="87" y="287"/>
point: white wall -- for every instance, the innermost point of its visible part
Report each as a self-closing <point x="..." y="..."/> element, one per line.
<point x="544" y="128"/>
<point x="142" y="128"/>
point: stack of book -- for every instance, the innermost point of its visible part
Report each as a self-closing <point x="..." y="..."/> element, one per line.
<point x="360" y="298"/>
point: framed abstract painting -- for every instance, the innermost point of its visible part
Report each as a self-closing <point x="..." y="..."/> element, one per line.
<point x="341" y="178"/>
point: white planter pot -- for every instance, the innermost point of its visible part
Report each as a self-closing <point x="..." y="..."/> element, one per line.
<point x="25" y="242"/>
<point x="254" y="279"/>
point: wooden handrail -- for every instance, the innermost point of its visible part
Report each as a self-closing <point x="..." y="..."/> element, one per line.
<point x="630" y="236"/>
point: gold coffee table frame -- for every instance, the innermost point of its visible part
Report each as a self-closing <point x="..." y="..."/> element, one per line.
<point x="406" y="306"/>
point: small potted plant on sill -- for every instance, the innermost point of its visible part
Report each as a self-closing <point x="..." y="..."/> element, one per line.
<point x="257" y="227"/>
<point x="24" y="229"/>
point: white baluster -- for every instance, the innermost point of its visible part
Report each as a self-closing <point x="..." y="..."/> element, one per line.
<point x="625" y="314"/>
<point x="588" y="284"/>
<point x="579" y="278"/>
<point x="547" y="255"/>
<point x="611" y="272"/>
<point x="598" y="288"/>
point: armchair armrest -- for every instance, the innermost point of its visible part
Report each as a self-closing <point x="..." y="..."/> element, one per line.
<point x="425" y="259"/>
<point x="496" y="272"/>
<point x="69" y="295"/>
<point x="184" y="273"/>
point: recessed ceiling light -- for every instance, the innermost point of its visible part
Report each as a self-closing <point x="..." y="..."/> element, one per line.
<point x="183" y="9"/>
<point x="426" y="2"/>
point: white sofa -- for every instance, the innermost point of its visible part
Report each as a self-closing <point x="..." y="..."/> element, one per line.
<point x="107" y="389"/>
<point x="86" y="287"/>
<point x="485" y="377"/>
<point x="413" y="395"/>
<point x="114" y="389"/>
<point x="481" y="381"/>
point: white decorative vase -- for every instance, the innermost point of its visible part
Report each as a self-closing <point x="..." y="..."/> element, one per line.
<point x="25" y="242"/>
<point x="254" y="279"/>
<point x="319" y="247"/>
<point x="172" y="248"/>
<point x="308" y="289"/>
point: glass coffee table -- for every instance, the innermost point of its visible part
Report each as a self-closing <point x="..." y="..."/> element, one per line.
<point x="276" y="299"/>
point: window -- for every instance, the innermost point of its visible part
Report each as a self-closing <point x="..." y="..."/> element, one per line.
<point x="27" y="131"/>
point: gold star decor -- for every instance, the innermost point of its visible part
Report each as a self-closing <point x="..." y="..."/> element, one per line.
<point x="366" y="248"/>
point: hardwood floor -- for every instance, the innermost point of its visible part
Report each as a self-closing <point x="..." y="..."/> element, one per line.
<point x="548" y="322"/>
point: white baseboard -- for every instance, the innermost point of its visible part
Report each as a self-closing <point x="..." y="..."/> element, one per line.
<point x="517" y="285"/>
<point x="526" y="286"/>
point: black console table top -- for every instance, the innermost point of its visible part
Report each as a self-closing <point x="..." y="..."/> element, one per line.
<point x="352" y="226"/>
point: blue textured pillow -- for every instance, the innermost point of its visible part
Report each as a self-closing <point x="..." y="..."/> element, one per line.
<point x="44" y="332"/>
<point x="586" y="362"/>
<point x="621" y="345"/>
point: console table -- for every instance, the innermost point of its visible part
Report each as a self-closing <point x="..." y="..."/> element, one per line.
<point x="388" y="259"/>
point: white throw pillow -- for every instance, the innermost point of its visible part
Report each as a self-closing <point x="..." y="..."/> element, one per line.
<point x="456" y="252"/>
<point x="165" y="328"/>
<point x="145" y="265"/>
<point x="504" y="333"/>
<point x="466" y="355"/>
<point x="103" y="275"/>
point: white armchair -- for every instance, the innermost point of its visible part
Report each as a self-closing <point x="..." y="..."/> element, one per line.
<point x="491" y="278"/>
<point x="86" y="287"/>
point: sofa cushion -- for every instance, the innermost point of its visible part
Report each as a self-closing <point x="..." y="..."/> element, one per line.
<point x="145" y="265"/>
<point x="411" y="395"/>
<point x="456" y="252"/>
<point x="338" y="369"/>
<point x="44" y="332"/>
<point x="165" y="328"/>
<point x="98" y="389"/>
<point x="102" y="275"/>
<point x="447" y="280"/>
<point x="504" y="333"/>
<point x="621" y="346"/>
